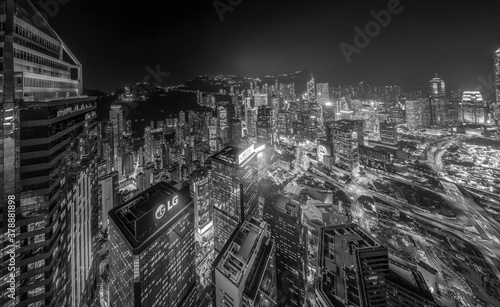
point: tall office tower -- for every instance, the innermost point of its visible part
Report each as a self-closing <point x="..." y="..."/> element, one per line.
<point x="245" y="269"/>
<point x="328" y="112"/>
<point x="182" y="118"/>
<point x="287" y="92"/>
<point x="116" y="118"/>
<point x="453" y="108"/>
<point x="407" y="287"/>
<point x="58" y="139"/>
<point x="148" y="145"/>
<point x="152" y="249"/>
<point x="251" y="121"/>
<point x="472" y="109"/>
<point x="236" y="132"/>
<point x="415" y="113"/>
<point x="397" y="115"/>
<point x="38" y="72"/>
<point x="83" y="229"/>
<point x="284" y="124"/>
<point x="283" y="216"/>
<point x="496" y="107"/>
<point x="346" y="135"/>
<point x="107" y="196"/>
<point x="323" y="93"/>
<point x="203" y="229"/>
<point x="264" y="125"/>
<point x="223" y="123"/>
<point x="311" y="91"/>
<point x="352" y="268"/>
<point x="388" y="133"/>
<point x="437" y="91"/>
<point x="127" y="127"/>
<point x="234" y="191"/>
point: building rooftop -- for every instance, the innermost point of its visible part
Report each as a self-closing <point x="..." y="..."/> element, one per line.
<point x="245" y="257"/>
<point x="408" y="278"/>
<point x="234" y="155"/>
<point x="143" y="217"/>
<point x="338" y="247"/>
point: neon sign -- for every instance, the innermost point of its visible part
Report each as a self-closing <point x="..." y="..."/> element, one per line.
<point x="163" y="208"/>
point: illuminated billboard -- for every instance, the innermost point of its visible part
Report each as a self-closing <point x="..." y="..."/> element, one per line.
<point x="247" y="153"/>
<point x="157" y="210"/>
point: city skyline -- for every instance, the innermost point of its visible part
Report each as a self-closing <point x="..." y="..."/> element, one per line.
<point x="259" y="38"/>
<point x="234" y="191"/>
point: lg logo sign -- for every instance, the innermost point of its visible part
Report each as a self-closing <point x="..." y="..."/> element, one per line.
<point x="160" y="211"/>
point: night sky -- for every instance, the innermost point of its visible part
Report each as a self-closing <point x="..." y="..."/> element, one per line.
<point x="117" y="40"/>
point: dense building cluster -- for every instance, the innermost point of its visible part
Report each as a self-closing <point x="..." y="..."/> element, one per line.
<point x="280" y="191"/>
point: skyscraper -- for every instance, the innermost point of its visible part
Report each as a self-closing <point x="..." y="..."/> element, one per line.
<point x="152" y="249"/>
<point x="437" y="92"/>
<point x="204" y="229"/>
<point x="245" y="269"/>
<point x="472" y="108"/>
<point x="323" y="93"/>
<point x="45" y="135"/>
<point x="283" y="216"/>
<point x="388" y="133"/>
<point x="345" y="135"/>
<point x="234" y="191"/>
<point x="496" y="108"/>
<point x="116" y="118"/>
<point x="352" y="268"/>
<point x="415" y="117"/>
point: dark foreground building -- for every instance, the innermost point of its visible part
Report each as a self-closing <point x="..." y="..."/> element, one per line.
<point x="152" y="249"/>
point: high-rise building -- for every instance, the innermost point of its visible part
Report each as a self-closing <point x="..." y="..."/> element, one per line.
<point x="328" y="112"/>
<point x="323" y="93"/>
<point x="407" y="287"/>
<point x="496" y="106"/>
<point x="437" y="92"/>
<point x="204" y="230"/>
<point x="116" y="118"/>
<point x="311" y="91"/>
<point x="82" y="230"/>
<point x="345" y="135"/>
<point x="107" y="195"/>
<point x="416" y="113"/>
<point x="234" y="191"/>
<point x="152" y="249"/>
<point x="352" y="268"/>
<point x="472" y="109"/>
<point x="245" y="269"/>
<point x="388" y="133"/>
<point x="38" y="116"/>
<point x="283" y="215"/>
<point x="453" y="109"/>
<point x="265" y="133"/>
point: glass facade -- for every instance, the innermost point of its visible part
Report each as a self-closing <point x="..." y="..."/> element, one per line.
<point x="234" y="193"/>
<point x="154" y="266"/>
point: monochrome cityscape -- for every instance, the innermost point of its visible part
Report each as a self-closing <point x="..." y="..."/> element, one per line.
<point x="226" y="190"/>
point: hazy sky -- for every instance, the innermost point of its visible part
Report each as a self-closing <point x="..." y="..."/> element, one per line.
<point x="116" y="40"/>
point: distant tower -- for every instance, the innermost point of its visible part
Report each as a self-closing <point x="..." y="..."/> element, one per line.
<point x="437" y="96"/>
<point x="496" y="108"/>
<point x="311" y="91"/>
